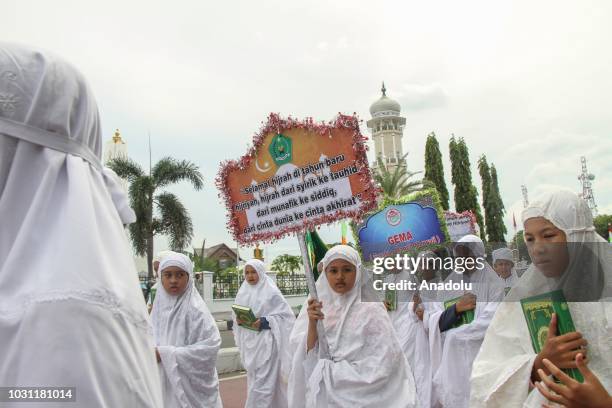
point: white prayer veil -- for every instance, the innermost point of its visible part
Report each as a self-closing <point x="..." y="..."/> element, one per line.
<point x="473" y="243"/>
<point x="367" y="366"/>
<point x="502" y="371"/>
<point x="265" y="299"/>
<point x="267" y="350"/>
<point x="188" y="341"/>
<point x="71" y="310"/>
<point x="588" y="276"/>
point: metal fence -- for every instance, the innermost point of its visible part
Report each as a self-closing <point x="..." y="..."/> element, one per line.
<point x="226" y="287"/>
<point x="292" y="284"/>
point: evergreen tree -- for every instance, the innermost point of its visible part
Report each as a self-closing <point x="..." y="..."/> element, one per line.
<point x="497" y="231"/>
<point x="434" y="170"/>
<point x="466" y="195"/>
<point x="485" y="177"/>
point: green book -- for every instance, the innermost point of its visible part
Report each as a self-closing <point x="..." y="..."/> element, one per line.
<point x="247" y="316"/>
<point x="466" y="317"/>
<point x="538" y="311"/>
<point x="391" y="299"/>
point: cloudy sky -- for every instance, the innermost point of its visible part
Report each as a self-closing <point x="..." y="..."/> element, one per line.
<point x="526" y="83"/>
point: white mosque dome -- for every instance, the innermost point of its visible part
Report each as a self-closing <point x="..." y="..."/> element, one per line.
<point x="384" y="104"/>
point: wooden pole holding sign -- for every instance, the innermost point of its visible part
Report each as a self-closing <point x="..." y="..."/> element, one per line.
<point x="312" y="289"/>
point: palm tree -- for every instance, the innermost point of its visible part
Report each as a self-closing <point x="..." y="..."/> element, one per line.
<point x="397" y="183"/>
<point x="172" y="218"/>
<point x="286" y="264"/>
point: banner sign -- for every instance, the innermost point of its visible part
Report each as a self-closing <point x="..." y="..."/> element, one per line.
<point x="297" y="175"/>
<point x="460" y="224"/>
<point x="399" y="228"/>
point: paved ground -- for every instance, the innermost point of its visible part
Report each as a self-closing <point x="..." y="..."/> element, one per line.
<point x="233" y="389"/>
<point x="227" y="339"/>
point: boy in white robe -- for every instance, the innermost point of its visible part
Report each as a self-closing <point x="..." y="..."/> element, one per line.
<point x="453" y="350"/>
<point x="265" y="354"/>
<point x="367" y="367"/>
<point x="507" y="365"/>
<point x="187" y="338"/>
<point x="503" y="264"/>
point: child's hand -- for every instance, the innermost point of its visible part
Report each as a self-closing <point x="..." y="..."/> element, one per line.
<point x="467" y="302"/>
<point x="559" y="350"/>
<point x="257" y="324"/>
<point x="570" y="393"/>
<point x="416" y="301"/>
<point x="387" y="305"/>
<point x="314" y="310"/>
<point x="157" y="356"/>
<point x="419" y="312"/>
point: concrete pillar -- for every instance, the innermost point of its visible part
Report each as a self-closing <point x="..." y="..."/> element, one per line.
<point x="272" y="275"/>
<point x="207" y="287"/>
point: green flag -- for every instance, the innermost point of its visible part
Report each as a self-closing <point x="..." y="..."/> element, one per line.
<point x="316" y="250"/>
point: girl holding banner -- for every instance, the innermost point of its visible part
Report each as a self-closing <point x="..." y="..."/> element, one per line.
<point x="367" y="367"/>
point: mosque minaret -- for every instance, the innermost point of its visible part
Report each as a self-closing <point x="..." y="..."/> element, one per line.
<point x="387" y="127"/>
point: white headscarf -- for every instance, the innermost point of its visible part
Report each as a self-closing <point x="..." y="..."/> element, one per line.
<point x="503" y="368"/>
<point x="368" y="367"/>
<point x="503" y="254"/>
<point x="62" y="217"/>
<point x="188" y="341"/>
<point x="267" y="347"/>
<point x="473" y="243"/>
<point x="160" y="255"/>
<point x="506" y="255"/>
<point x="588" y="276"/>
<point x="453" y="352"/>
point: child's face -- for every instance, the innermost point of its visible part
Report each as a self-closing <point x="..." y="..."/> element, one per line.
<point x="463" y="251"/>
<point x="341" y="275"/>
<point x="174" y="280"/>
<point x="547" y="247"/>
<point x="428" y="273"/>
<point x="503" y="268"/>
<point x="250" y="275"/>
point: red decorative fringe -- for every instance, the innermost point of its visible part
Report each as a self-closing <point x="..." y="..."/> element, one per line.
<point x="278" y="125"/>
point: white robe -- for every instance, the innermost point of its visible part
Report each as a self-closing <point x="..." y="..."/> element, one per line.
<point x="453" y="352"/>
<point x="502" y="371"/>
<point x="188" y="341"/>
<point x="265" y="354"/>
<point x="403" y="319"/>
<point x="71" y="309"/>
<point x="422" y="358"/>
<point x="367" y="366"/>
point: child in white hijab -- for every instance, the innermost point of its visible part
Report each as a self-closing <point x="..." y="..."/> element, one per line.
<point x="453" y="349"/>
<point x="265" y="354"/>
<point x="153" y="291"/>
<point x="423" y="307"/>
<point x="71" y="310"/>
<point x="367" y="367"/>
<point x="559" y="234"/>
<point x="187" y="338"/>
